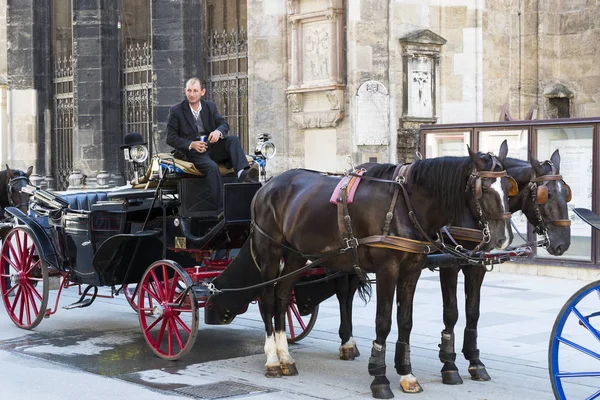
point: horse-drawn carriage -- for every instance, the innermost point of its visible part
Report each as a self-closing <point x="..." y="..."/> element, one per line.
<point x="160" y="241"/>
<point x="172" y="254"/>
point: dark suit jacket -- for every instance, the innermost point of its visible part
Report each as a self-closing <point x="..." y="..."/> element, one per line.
<point x="181" y="126"/>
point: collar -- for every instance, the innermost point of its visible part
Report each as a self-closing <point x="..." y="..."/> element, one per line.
<point x="199" y="107"/>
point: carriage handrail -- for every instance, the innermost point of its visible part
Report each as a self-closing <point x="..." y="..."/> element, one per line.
<point x="48" y="198"/>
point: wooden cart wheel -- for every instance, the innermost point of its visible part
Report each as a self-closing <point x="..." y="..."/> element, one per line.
<point x="298" y="326"/>
<point x="23" y="278"/>
<point x="574" y="348"/>
<point x="168" y="311"/>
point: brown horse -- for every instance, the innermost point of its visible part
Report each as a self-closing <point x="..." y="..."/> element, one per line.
<point x="293" y="220"/>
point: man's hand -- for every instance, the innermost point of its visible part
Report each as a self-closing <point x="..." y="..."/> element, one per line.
<point x="215" y="136"/>
<point x="199" y="146"/>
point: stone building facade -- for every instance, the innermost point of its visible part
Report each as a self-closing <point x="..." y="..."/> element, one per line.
<point x="332" y="81"/>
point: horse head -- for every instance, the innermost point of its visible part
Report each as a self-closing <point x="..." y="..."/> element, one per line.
<point x="489" y="187"/>
<point x="545" y="204"/>
<point x="10" y="190"/>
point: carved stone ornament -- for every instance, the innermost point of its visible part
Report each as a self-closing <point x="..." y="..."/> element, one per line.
<point x="295" y="102"/>
<point x="292" y="4"/>
<point x="334" y="100"/>
<point x="311" y="120"/>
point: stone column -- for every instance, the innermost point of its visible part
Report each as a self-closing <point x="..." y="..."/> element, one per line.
<point x="177" y="48"/>
<point x="29" y="80"/>
<point x="96" y="90"/>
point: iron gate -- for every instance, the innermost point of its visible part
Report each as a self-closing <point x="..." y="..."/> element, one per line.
<point x="138" y="91"/>
<point x="228" y="79"/>
<point x="63" y="121"/>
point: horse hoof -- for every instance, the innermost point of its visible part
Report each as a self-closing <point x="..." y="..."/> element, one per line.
<point x="273" y="371"/>
<point x="289" y="369"/>
<point x="410" y="387"/>
<point x="382" y="392"/>
<point x="451" y="378"/>
<point x="479" y="374"/>
<point x="349" y="353"/>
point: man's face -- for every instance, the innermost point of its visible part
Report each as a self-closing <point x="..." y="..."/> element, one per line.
<point x="194" y="92"/>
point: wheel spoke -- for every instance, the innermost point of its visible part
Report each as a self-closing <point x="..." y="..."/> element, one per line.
<point x="15" y="256"/>
<point x="586" y="323"/>
<point x="34" y="291"/>
<point x="13" y="306"/>
<point x="173" y="290"/>
<point x="151" y="294"/>
<point x="161" y="332"/>
<point x="157" y="285"/>
<point x="11" y="262"/>
<point x="290" y="324"/>
<point x="26" y="304"/>
<point x="183" y="325"/>
<point x="296" y="313"/>
<point x="176" y="334"/>
<point x="578" y="347"/>
<point x="30" y="291"/>
<point x="165" y="282"/>
<point x="33" y="266"/>
<point x="152" y="325"/>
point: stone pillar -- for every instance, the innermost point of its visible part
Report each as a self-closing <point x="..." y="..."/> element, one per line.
<point x="96" y="89"/>
<point x="29" y="80"/>
<point x="177" y="48"/>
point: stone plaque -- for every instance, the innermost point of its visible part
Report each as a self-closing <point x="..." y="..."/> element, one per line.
<point x="372" y="114"/>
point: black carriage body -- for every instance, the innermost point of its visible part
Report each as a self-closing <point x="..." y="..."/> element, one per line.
<point x="110" y="237"/>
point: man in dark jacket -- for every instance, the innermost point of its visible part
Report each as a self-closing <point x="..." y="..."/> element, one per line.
<point x="199" y="132"/>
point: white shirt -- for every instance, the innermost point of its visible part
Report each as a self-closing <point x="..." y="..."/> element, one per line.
<point x="197" y="112"/>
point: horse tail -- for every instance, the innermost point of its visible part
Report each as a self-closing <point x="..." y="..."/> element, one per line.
<point x="365" y="290"/>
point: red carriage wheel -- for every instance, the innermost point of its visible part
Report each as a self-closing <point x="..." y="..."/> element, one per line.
<point x="23" y="278"/>
<point x="168" y="310"/>
<point x="130" y="292"/>
<point x="298" y="326"/>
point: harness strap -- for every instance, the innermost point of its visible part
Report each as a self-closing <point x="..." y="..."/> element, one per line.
<point x="461" y="233"/>
<point x="351" y="242"/>
<point x="397" y="243"/>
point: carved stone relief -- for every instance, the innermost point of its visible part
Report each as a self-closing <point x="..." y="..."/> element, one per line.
<point x="295" y="102"/>
<point x="325" y="119"/>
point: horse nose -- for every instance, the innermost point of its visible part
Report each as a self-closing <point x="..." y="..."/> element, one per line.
<point x="559" y="250"/>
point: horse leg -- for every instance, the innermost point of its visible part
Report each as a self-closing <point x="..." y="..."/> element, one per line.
<point x="270" y="270"/>
<point x="473" y="280"/>
<point x="345" y="287"/>
<point x="449" y="283"/>
<point x="380" y="387"/>
<point x="283" y="292"/>
<point x="405" y="292"/>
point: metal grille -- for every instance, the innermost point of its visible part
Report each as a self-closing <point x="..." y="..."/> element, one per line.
<point x="138" y="91"/>
<point x="223" y="389"/>
<point x="228" y="80"/>
<point x="63" y="120"/>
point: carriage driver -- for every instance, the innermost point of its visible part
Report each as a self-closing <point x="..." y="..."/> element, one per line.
<point x="195" y="119"/>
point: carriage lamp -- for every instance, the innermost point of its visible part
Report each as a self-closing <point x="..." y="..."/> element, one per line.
<point x="135" y="150"/>
<point x="138" y="153"/>
<point x="265" y="148"/>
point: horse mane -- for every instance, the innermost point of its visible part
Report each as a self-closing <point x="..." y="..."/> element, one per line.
<point x="383" y="171"/>
<point x="445" y="178"/>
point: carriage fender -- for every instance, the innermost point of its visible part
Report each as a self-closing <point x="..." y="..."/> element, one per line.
<point x="46" y="250"/>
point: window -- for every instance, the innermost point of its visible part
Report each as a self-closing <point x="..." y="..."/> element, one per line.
<point x="575" y="145"/>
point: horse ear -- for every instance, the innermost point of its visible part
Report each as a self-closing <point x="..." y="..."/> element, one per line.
<point x="479" y="164"/>
<point x="556" y="159"/>
<point x="9" y="171"/>
<point x="503" y="151"/>
<point x="535" y="164"/>
<point x="29" y="171"/>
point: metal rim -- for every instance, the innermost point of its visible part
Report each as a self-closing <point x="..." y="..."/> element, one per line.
<point x="559" y="339"/>
<point x="23" y="278"/>
<point x="168" y="315"/>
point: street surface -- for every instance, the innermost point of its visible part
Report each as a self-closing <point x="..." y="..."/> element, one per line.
<point x="99" y="353"/>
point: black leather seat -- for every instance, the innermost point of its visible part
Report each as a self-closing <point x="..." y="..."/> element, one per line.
<point x="82" y="201"/>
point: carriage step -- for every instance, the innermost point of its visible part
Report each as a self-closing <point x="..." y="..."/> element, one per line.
<point x="83" y="302"/>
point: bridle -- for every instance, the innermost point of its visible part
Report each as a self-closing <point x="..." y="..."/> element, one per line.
<point x="475" y="184"/>
<point x="10" y="187"/>
<point x="538" y="191"/>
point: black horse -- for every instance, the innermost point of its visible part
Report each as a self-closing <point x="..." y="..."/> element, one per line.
<point x="294" y="221"/>
<point x="11" y="183"/>
<point x="543" y="198"/>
